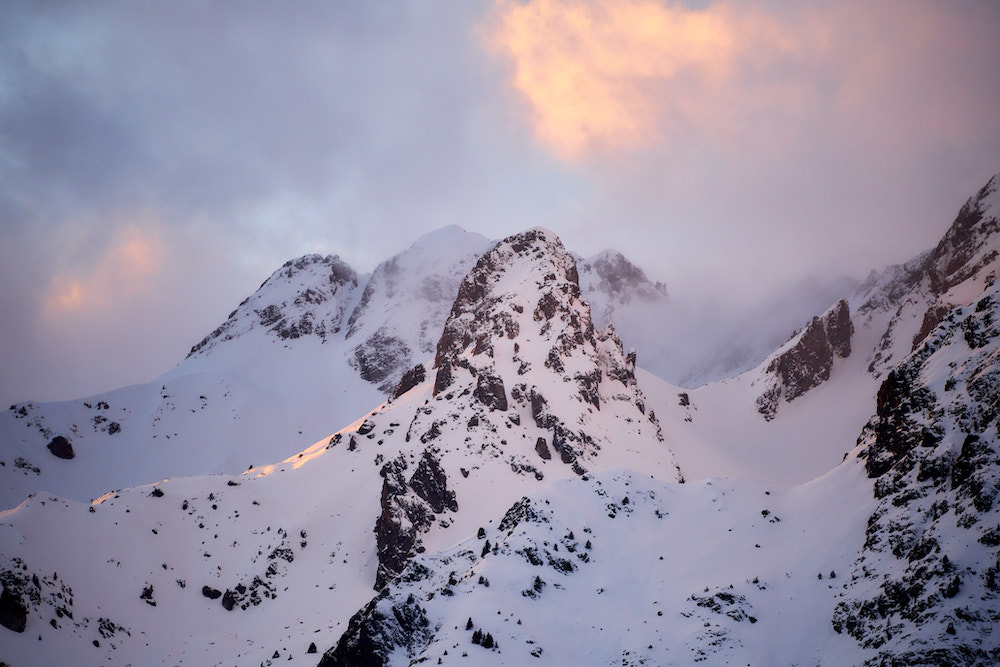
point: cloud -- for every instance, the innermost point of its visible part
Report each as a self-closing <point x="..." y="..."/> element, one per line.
<point x="759" y="138"/>
<point x="765" y="139"/>
<point x="125" y="268"/>
<point x="604" y="77"/>
<point x="586" y="67"/>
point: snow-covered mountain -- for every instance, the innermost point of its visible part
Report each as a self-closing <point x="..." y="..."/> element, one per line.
<point x="405" y="303"/>
<point x="315" y="346"/>
<point x="522" y="391"/>
<point x="518" y="495"/>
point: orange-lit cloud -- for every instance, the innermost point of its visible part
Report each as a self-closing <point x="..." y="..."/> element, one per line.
<point x="132" y="256"/>
<point x="606" y="76"/>
<point x="596" y="73"/>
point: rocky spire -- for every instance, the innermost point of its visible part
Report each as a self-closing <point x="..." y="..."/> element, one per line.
<point x="806" y="361"/>
<point x="520" y="327"/>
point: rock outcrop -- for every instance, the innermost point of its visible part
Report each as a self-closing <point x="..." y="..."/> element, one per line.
<point x="805" y="362"/>
<point x="13" y="611"/>
<point x="409" y="507"/>
<point x="411" y="378"/>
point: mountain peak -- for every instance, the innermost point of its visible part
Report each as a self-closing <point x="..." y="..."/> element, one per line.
<point x="964" y="250"/>
<point x="524" y="389"/>
<point x="912" y="298"/>
<point x="520" y="328"/>
<point x="306" y="296"/>
<point x="530" y="271"/>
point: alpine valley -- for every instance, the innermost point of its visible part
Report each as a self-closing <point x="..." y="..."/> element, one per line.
<point x="492" y="453"/>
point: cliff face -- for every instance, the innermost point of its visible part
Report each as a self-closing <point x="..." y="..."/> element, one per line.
<point x="806" y="361"/>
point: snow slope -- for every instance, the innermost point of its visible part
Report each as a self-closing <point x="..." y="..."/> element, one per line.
<point x="620" y="568"/>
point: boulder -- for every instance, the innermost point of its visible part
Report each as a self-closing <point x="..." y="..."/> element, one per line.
<point x="61" y="448"/>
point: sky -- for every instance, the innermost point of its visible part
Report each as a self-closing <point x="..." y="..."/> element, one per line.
<point x="159" y="160"/>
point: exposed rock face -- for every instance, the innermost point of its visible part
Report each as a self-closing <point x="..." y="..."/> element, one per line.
<point x="411" y="378"/>
<point x="430" y="483"/>
<point x="542" y="449"/>
<point x="13" y="612"/>
<point x="807" y="360"/>
<point x="378" y="359"/>
<point x="408" y="509"/>
<point x="965" y="250"/>
<point x="926" y="587"/>
<point x="932" y="316"/>
<point x="490" y="392"/>
<point x="378" y="630"/>
<point x="61" y="447"/>
<point x="307" y="296"/>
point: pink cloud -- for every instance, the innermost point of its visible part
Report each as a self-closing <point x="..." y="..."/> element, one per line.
<point x="606" y="77"/>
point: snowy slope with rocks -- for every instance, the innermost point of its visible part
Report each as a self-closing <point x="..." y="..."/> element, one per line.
<point x="405" y="303"/>
<point x="926" y="586"/>
<point x="620" y="568"/>
<point x="517" y="496"/>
